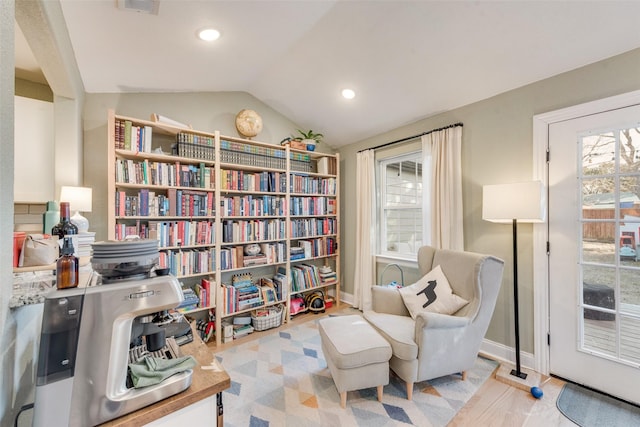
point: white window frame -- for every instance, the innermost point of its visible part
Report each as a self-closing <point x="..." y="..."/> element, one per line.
<point x="381" y="201"/>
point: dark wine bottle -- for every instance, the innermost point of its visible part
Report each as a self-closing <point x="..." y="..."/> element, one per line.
<point x="65" y="227"/>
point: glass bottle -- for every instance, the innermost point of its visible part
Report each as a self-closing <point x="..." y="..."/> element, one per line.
<point x="65" y="227"/>
<point x="67" y="267"/>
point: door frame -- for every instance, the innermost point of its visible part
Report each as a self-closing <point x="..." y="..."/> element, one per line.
<point x="541" y="123"/>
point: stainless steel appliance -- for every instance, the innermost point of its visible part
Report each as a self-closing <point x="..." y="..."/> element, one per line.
<point x="88" y="337"/>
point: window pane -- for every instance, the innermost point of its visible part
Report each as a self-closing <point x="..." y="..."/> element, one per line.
<point x="400" y="207"/>
<point x="629" y="152"/>
<point x="598" y="244"/>
<point x="404" y="230"/>
<point x="598" y="154"/>
<point x="403" y="183"/>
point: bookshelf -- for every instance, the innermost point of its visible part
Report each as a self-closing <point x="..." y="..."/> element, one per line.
<point x="245" y="224"/>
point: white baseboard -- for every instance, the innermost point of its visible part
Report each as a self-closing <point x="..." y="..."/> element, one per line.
<point x="345" y="297"/>
<point x="503" y="353"/>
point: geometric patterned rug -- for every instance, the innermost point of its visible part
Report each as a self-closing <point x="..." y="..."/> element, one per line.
<point x="282" y="379"/>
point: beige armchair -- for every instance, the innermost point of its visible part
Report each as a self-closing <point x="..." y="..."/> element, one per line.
<point x="434" y="345"/>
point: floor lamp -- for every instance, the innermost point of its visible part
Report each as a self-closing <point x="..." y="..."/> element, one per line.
<point x="513" y="203"/>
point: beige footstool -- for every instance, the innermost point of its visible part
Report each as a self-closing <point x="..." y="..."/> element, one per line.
<point x="357" y="355"/>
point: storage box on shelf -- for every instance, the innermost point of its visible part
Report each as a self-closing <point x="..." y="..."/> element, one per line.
<point x="223" y="208"/>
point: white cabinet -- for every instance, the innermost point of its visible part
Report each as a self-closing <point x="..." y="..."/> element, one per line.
<point x="34" y="151"/>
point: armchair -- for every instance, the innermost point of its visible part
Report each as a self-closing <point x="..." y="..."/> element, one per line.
<point x="434" y="345"/>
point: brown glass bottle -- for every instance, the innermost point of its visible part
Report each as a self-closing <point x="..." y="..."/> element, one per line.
<point x="67" y="267"/>
<point x="65" y="227"/>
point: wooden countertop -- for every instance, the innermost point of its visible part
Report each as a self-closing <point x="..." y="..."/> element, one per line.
<point x="205" y="383"/>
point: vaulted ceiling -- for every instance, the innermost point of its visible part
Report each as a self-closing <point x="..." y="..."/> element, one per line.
<point x="406" y="60"/>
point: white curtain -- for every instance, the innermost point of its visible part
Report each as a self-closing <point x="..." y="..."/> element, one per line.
<point x="364" y="276"/>
<point x="442" y="199"/>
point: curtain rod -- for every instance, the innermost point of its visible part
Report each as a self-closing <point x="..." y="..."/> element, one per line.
<point x="411" y="137"/>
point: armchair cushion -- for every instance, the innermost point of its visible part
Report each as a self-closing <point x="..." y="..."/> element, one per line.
<point x="399" y="331"/>
<point x="431" y="293"/>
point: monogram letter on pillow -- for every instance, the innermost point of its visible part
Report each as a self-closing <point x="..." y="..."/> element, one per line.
<point x="431" y="293"/>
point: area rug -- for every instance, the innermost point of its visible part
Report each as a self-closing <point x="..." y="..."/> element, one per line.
<point x="282" y="379"/>
<point x="588" y="408"/>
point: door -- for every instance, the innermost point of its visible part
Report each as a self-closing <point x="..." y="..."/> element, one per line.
<point x="594" y="268"/>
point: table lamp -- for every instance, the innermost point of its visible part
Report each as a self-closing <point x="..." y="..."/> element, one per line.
<point x="80" y="199"/>
<point x="513" y="203"/>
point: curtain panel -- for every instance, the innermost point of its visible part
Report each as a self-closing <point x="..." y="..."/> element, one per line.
<point x="442" y="196"/>
<point x="364" y="276"/>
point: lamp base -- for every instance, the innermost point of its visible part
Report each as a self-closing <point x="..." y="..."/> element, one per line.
<point x="503" y="374"/>
<point x="520" y="374"/>
<point x="81" y="222"/>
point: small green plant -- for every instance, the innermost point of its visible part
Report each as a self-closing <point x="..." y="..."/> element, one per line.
<point x="309" y="135"/>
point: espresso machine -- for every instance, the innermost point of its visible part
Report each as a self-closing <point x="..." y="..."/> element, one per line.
<point x="90" y="335"/>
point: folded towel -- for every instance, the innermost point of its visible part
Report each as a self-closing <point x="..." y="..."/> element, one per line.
<point x="154" y="370"/>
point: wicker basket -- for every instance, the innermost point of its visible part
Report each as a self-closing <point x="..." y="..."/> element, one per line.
<point x="272" y="320"/>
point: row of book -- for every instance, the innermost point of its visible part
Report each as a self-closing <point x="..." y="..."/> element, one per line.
<point x="136" y="138"/>
<point x="147" y="172"/>
<point x="194" y="146"/>
<point x="188" y="262"/>
<point x="241" y="147"/>
<point x="253" y="181"/>
<point x="251" y="159"/>
<point x="132" y="137"/>
<point x="243" y="293"/>
<point x="192" y="233"/>
<point x="327" y="276"/>
<point x="181" y="233"/>
<point x="200" y="296"/>
<point x="311" y="227"/>
<point x="312" y="185"/>
<point x="313" y="248"/>
<point x="234" y="257"/>
<point x="304" y="276"/>
<point x="175" y="203"/>
<point x="204" y="290"/>
<point x="254" y="205"/>
<point x="302" y="162"/>
<point x="191" y="300"/>
<point x="312" y="206"/>
<point x="253" y="230"/>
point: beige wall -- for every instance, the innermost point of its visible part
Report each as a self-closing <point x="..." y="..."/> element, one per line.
<point x="497" y="148"/>
<point x="204" y="111"/>
<point x="33" y="90"/>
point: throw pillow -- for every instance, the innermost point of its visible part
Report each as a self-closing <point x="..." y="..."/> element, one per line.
<point x="431" y="293"/>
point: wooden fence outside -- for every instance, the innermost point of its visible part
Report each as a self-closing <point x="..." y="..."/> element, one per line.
<point x="604" y="231"/>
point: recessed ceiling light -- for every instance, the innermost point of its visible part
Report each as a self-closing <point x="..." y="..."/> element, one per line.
<point x="209" y="34"/>
<point x="348" y="93"/>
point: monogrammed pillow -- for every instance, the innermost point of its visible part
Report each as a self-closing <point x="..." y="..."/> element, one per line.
<point x="431" y="293"/>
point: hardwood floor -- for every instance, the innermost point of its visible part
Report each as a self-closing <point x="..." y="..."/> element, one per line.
<point x="494" y="404"/>
<point x="498" y="404"/>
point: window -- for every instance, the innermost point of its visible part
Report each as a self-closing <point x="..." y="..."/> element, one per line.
<point x="400" y="224"/>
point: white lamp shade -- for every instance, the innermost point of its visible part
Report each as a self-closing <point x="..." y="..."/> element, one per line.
<point x="524" y="202"/>
<point x="79" y="198"/>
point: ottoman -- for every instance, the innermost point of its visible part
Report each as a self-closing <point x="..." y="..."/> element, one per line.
<point x="356" y="354"/>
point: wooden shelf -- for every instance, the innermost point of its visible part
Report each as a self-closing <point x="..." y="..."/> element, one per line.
<point x="250" y="155"/>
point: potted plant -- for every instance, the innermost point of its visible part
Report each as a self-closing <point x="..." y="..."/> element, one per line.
<point x="309" y="139"/>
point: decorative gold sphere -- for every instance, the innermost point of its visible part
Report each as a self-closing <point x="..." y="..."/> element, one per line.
<point x="248" y="123"/>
